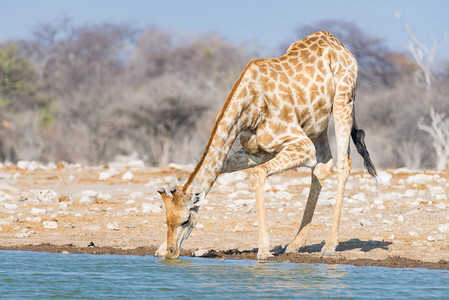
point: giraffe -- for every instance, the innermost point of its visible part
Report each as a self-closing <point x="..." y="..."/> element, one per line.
<point x="280" y="109"/>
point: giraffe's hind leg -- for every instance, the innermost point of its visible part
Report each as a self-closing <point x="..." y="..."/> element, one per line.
<point x="343" y="109"/>
<point x="319" y="175"/>
<point x="301" y="152"/>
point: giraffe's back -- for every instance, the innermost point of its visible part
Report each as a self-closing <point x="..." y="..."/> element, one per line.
<point x="299" y="87"/>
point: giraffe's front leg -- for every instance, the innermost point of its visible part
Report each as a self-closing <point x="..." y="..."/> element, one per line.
<point x="258" y="177"/>
<point x="301" y="153"/>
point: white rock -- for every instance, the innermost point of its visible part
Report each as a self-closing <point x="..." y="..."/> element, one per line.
<point x="409" y="194"/>
<point x="92" y="227"/>
<point x="104" y="196"/>
<point x="32" y="166"/>
<point x="50" y="224"/>
<point x="39" y="196"/>
<point x="10" y="206"/>
<point x="130" y="210"/>
<point x="430" y="238"/>
<point x="366" y="223"/>
<point x="413" y="233"/>
<point x="187" y="168"/>
<point x="401" y="170"/>
<point x="111" y="172"/>
<point x="284" y="195"/>
<point x="128" y="176"/>
<point x="437" y="190"/>
<point x="112" y="226"/>
<point x="444" y="228"/>
<point x="137" y="195"/>
<point x="63" y="206"/>
<point x="420" y="179"/>
<point x="49" y="166"/>
<point x="391" y="196"/>
<point x="439" y="197"/>
<point x="442" y="181"/>
<point x="88" y="197"/>
<point x="356" y="210"/>
<point x="360" y="197"/>
<point x="46" y="196"/>
<point x="5" y="222"/>
<point x="199" y="226"/>
<point x="124" y="161"/>
<point x="384" y="178"/>
<point x="441" y="206"/>
<point x="148" y="208"/>
<point x="267" y="187"/>
<point x="200" y="252"/>
<point x="440" y="237"/>
<point x="241" y="186"/>
<point x="38" y="211"/>
<point x="232" y="178"/>
<point x="34" y="219"/>
<point x="400" y="218"/>
<point x="305" y="192"/>
<point x="23" y="164"/>
<point x="5" y="176"/>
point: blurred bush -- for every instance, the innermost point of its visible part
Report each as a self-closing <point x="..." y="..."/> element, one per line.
<point x="88" y="93"/>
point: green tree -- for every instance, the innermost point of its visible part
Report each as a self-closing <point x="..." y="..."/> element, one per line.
<point x="17" y="78"/>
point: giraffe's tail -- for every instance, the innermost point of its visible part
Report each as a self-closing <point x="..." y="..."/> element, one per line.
<point x="358" y="137"/>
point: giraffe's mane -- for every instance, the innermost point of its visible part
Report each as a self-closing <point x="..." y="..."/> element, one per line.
<point x="214" y="130"/>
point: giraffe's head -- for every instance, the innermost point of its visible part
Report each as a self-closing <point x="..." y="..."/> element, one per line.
<point x="181" y="211"/>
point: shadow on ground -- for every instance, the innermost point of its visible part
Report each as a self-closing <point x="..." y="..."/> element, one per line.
<point x="352" y="244"/>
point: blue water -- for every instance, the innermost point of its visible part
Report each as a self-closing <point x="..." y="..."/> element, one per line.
<point x="84" y="276"/>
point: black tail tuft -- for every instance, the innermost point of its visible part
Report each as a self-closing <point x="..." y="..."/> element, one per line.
<point x="358" y="136"/>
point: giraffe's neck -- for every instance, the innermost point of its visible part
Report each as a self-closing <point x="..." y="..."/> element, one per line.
<point x="227" y="127"/>
<point x="207" y="171"/>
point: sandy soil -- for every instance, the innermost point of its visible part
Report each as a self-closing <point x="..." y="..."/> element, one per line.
<point x="400" y="221"/>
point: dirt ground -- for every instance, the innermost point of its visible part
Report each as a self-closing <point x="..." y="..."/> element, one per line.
<point x="402" y="220"/>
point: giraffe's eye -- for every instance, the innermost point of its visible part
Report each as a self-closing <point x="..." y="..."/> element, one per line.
<point x="186" y="221"/>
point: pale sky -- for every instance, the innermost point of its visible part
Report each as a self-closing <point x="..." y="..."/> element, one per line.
<point x="266" y="24"/>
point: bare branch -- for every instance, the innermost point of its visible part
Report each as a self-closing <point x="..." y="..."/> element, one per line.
<point x="439" y="131"/>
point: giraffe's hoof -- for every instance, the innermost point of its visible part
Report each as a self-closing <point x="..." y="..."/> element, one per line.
<point x="291" y="249"/>
<point x="264" y="255"/>
<point x="326" y="252"/>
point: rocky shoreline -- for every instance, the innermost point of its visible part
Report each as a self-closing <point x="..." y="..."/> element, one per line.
<point x="390" y="262"/>
<point x="402" y="220"/>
